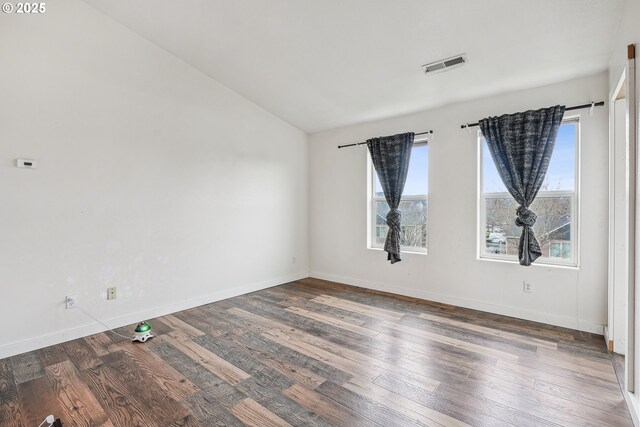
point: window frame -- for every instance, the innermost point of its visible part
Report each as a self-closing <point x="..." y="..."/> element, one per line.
<point x="372" y="199"/>
<point x="574" y="196"/>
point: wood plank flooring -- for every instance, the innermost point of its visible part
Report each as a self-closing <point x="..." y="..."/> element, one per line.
<point x="316" y="353"/>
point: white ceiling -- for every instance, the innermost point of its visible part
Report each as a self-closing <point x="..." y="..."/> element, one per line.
<point x="328" y="63"/>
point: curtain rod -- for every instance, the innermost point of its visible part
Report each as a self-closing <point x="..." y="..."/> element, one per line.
<point x="576" y="107"/>
<point x="430" y="132"/>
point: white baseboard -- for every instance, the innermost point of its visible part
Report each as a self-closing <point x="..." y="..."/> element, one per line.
<point x="58" y="337"/>
<point x="520" y="313"/>
<point x="632" y="403"/>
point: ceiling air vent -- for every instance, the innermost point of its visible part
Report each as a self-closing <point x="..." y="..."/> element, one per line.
<point x="445" y="64"/>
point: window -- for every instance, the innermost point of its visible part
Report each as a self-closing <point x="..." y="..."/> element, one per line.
<point x="413" y="205"/>
<point x="555" y="205"/>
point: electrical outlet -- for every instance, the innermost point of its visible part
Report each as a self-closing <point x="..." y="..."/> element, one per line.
<point x="111" y="293"/>
<point x="72" y="301"/>
<point x="527" y="287"/>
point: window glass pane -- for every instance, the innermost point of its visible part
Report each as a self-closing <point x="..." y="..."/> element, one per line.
<point x="501" y="231"/>
<point x="552" y="227"/>
<point x="560" y="250"/>
<point x="417" y="176"/>
<point x="413" y="225"/>
<point x="561" y="172"/>
<point x="491" y="181"/>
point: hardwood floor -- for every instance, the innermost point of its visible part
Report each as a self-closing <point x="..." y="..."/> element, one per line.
<point x="315" y="353"/>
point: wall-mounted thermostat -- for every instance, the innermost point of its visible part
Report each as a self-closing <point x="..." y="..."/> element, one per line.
<point x="27" y="163"/>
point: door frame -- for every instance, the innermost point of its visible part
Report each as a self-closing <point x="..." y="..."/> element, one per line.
<point x="612" y="329"/>
<point x="634" y="247"/>
<point x="627" y="83"/>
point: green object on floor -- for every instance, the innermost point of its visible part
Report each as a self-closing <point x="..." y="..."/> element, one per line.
<point x="143" y="327"/>
<point x="142" y="332"/>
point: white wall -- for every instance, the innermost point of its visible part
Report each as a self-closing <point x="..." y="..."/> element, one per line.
<point x="451" y="272"/>
<point x="153" y="178"/>
<point x="629" y="33"/>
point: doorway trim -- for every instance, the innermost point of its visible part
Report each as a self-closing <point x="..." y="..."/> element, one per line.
<point x="633" y="220"/>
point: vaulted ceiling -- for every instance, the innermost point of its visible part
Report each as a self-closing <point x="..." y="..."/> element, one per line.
<point x="328" y="63"/>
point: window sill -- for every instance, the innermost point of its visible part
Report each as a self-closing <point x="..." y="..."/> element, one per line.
<point x="402" y="250"/>
<point x="535" y="264"/>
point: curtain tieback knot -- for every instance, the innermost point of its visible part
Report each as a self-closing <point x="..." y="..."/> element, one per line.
<point x="393" y="218"/>
<point x="525" y="217"/>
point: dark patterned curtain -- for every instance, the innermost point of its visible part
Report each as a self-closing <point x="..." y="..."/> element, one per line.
<point x="521" y="145"/>
<point x="390" y="156"/>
